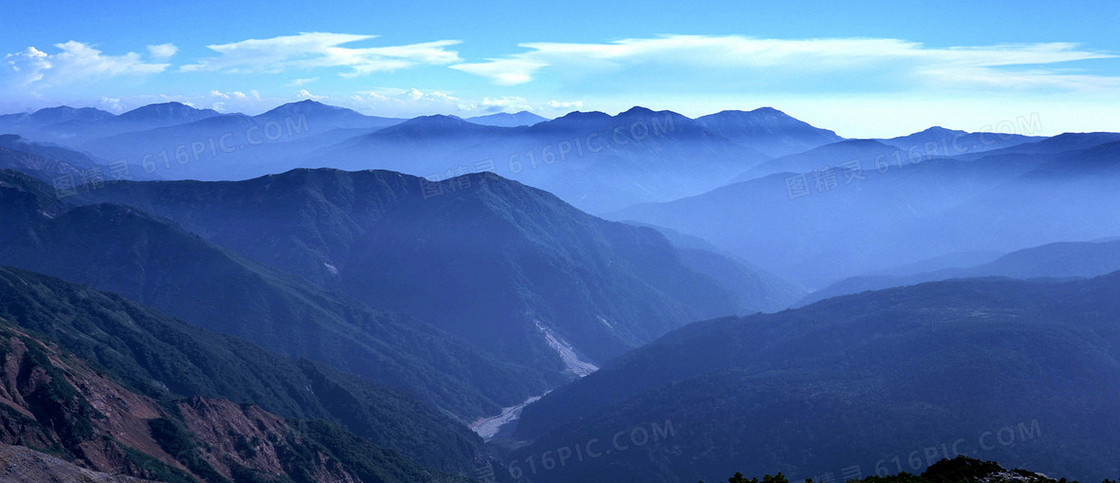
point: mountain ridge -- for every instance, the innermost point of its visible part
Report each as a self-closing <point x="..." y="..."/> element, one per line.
<point x="379" y="222"/>
<point x="856" y="379"/>
<point x="156" y="262"/>
<point x="159" y="357"/>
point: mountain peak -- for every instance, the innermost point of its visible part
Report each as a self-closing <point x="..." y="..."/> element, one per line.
<point x="312" y="104"/>
<point x="325" y="116"/>
<point x="575" y="121"/>
<point x="637" y="111"/>
<point x="584" y="115"/>
<point x="941" y="130"/>
<point x="769" y="130"/>
<point x="308" y="106"/>
<point x="758" y="117"/>
<point x="168" y="111"/>
<point x="505" y="119"/>
<point x="436" y="119"/>
<point x="175" y="104"/>
<point x="66" y="113"/>
<point x="767" y="110"/>
<point x="427" y="125"/>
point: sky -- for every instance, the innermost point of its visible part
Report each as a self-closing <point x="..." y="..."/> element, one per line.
<point x="863" y="69"/>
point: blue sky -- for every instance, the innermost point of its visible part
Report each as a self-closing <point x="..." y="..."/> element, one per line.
<point x="861" y="68"/>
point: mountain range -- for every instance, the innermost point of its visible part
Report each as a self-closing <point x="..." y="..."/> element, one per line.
<point x="596" y="161"/>
<point x="1063" y="260"/>
<point x="815" y="226"/>
<point x="768" y="130"/>
<point x="505" y="119"/>
<point x="152" y="261"/>
<point x="458" y="259"/>
<point x="312" y="293"/>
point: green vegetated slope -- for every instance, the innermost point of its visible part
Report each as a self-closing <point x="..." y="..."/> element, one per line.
<point x="159" y="357"/>
<point x="486" y="259"/>
<point x="1024" y="373"/>
<point x="52" y="402"/>
<point x="154" y="262"/>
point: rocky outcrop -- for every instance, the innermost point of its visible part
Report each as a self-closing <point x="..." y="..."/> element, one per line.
<point x="19" y="463"/>
<point x="62" y="420"/>
<point x="54" y="403"/>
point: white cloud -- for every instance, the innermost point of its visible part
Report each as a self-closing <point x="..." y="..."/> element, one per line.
<point x="250" y="102"/>
<point x="505" y="104"/>
<point x="410" y="102"/>
<point x="305" y="94"/>
<point x="511" y="71"/>
<point x="162" y="51"/>
<point x="565" y="104"/>
<point x="698" y="56"/>
<point x="75" y="62"/>
<point x="310" y="50"/>
<point x="235" y="101"/>
<point x="238" y="95"/>
<point x="27" y="67"/>
<point x="112" y="104"/>
<point x="300" y="82"/>
<point x="397" y="102"/>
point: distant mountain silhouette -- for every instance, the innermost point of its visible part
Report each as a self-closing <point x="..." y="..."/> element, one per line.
<point x="1066" y="142"/>
<point x="768" y="130"/>
<point x="868" y="155"/>
<point x="322" y="117"/>
<point x="818" y="226"/>
<point x="939" y="141"/>
<point x="505" y="119"/>
<point x="52" y="115"/>
<point x="168" y="113"/>
<point x="1055" y="260"/>
<point x="593" y="160"/>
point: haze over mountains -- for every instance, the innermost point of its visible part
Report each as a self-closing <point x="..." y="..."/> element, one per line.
<point x="319" y="293"/>
<point x="593" y="160"/>
<point x="118" y="248"/>
<point x="374" y="236"/>
<point x="818" y="226"/>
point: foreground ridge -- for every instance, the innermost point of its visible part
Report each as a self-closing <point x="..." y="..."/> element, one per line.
<point x="959" y="469"/>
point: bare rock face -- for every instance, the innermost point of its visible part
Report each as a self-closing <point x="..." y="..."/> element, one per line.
<point x="963" y="468"/>
<point x="58" y="404"/>
<point x="248" y="437"/>
<point x="19" y="463"/>
<point x="60" y="420"/>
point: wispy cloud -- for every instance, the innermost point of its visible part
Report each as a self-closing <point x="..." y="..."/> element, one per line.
<point x="303" y="81"/>
<point x="235" y="95"/>
<point x="505" y="104"/>
<point x="162" y="51"/>
<point x="74" y="62"/>
<point x="903" y="62"/>
<point x="412" y="99"/>
<point x="310" y="50"/>
<point x="565" y="105"/>
<point x="305" y="94"/>
<point x="411" y="102"/>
